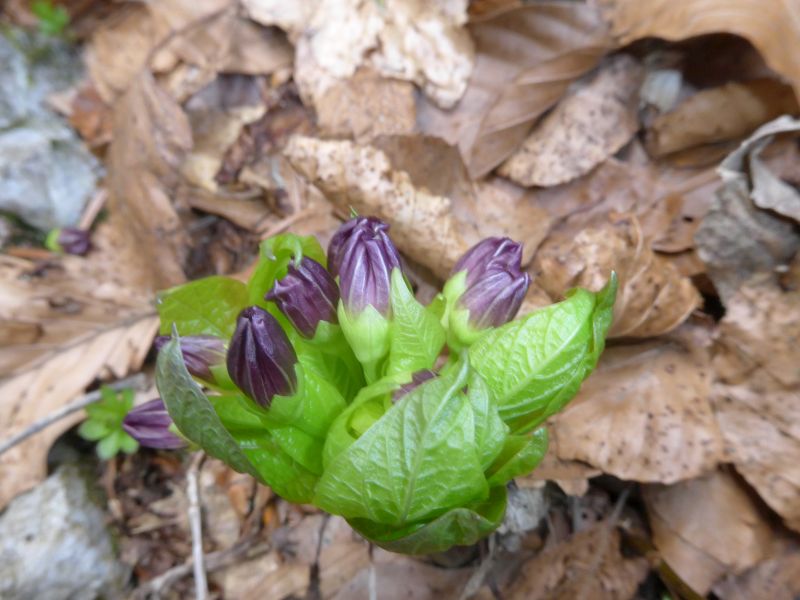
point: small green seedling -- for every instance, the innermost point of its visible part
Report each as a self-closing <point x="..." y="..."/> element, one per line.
<point x="104" y="424"/>
<point x="53" y="20"/>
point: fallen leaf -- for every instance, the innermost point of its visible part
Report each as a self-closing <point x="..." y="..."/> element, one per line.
<point x="151" y="136"/>
<point x="587" y="565"/>
<point x="707" y="527"/>
<point x="586" y="127"/>
<point x="413" y="40"/>
<point x="644" y="415"/>
<point x="736" y="239"/>
<point x="292" y="17"/>
<point x="720" y="114"/>
<point x="424" y="226"/>
<point x="367" y="105"/>
<point x="769" y="25"/>
<point x="571" y="476"/>
<point x="777" y="578"/>
<point x="92" y="325"/>
<point x="513" y="84"/>
<point x="653" y="297"/>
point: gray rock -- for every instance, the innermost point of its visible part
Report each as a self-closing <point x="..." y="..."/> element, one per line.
<point x="54" y="544"/>
<point x="46" y="172"/>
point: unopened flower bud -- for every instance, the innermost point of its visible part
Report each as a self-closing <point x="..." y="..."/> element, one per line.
<point x="261" y="360"/>
<point x="200" y="353"/>
<point x="486" y="288"/>
<point x="149" y="424"/>
<point x="306" y="295"/>
<point x="69" y="240"/>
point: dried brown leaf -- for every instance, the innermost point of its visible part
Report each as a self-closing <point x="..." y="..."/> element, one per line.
<point x="720" y="114"/>
<point x="644" y="415"/>
<point x="776" y="578"/>
<point x="587" y="565"/>
<point x="526" y="59"/>
<point x="367" y="105"/>
<point x="89" y="324"/>
<point x="771" y="26"/>
<point x="422" y="42"/>
<point x="653" y="296"/>
<point x="587" y="127"/>
<point x="151" y="135"/>
<point x="707" y="527"/>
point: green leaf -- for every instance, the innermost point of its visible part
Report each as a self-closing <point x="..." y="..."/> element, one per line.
<point x="127" y="444"/>
<point x="490" y="430"/>
<point x="207" y="306"/>
<point x="276" y="468"/>
<point x="521" y="454"/>
<point x="413" y="464"/>
<point x="457" y="527"/>
<point x="192" y="412"/>
<point x="93" y="430"/>
<point x="535" y="365"/>
<point x="108" y="447"/>
<point x="274" y="257"/>
<point x="312" y="409"/>
<point x="416" y="335"/>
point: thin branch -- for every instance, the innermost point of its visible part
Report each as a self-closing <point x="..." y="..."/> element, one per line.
<point x="134" y="381"/>
<point x="192" y="493"/>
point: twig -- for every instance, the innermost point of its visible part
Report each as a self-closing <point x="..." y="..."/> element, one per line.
<point x="478" y="577"/>
<point x="372" y="583"/>
<point x="192" y="492"/>
<point x="213" y="561"/>
<point x="135" y="381"/>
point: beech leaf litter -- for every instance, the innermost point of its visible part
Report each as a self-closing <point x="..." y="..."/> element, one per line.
<point x="659" y="140"/>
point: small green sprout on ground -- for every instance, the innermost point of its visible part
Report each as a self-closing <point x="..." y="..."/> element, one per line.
<point x="105" y="423"/>
<point x="53" y="20"/>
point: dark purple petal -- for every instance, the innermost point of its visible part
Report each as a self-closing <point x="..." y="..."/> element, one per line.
<point x="487" y="254"/>
<point x="364" y="263"/>
<point x="417" y="379"/>
<point x="74" y="241"/>
<point x="495" y="283"/>
<point x="200" y="353"/>
<point x="306" y="295"/>
<point x="261" y="360"/>
<point x="149" y="425"/>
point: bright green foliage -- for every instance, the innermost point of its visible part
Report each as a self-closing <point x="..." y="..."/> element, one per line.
<point x="104" y="423"/>
<point x="415" y="470"/>
<point x="53" y="20"/>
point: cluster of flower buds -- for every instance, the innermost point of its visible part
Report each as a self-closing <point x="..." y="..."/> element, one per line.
<point x="150" y="425"/>
<point x="485" y="289"/>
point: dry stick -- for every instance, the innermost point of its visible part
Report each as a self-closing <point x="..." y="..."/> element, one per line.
<point x="213" y="561"/>
<point x="135" y="381"/>
<point x="192" y="492"/>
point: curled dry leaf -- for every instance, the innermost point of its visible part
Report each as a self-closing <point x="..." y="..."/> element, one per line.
<point x="644" y="415"/>
<point x="720" y="114"/>
<point x="587" y="565"/>
<point x="586" y="127"/>
<point x="151" y="136"/>
<point x="367" y="105"/>
<point x="737" y="239"/>
<point x="653" y="297"/>
<point x="513" y="84"/>
<point x="707" y="527"/>
<point x="771" y="26"/>
<point x="422" y="42"/>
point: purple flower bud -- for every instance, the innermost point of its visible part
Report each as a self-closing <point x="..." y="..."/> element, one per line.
<point x="200" y="353"/>
<point x="74" y="241"/>
<point x="149" y="425"/>
<point x="306" y="295"/>
<point x="495" y="282"/>
<point x="417" y="379"/>
<point x="261" y="360"/>
<point x="363" y="256"/>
